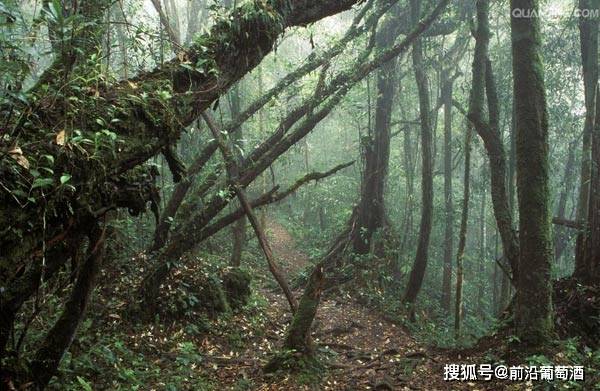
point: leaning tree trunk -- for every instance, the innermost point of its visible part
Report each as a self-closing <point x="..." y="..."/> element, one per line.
<point x="420" y="264"/>
<point x="312" y="62"/>
<point x="488" y="129"/>
<point x="298" y="334"/>
<point x="309" y="114"/>
<point x="233" y="175"/>
<point x="533" y="314"/>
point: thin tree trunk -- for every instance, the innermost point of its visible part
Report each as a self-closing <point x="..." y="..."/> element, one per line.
<point x="194" y="8"/>
<point x="462" y="236"/>
<point x="448" y="202"/>
<point x="561" y="234"/>
<point x="233" y="173"/>
<point x="483" y="86"/>
<point x="482" y="252"/>
<point x="238" y="230"/>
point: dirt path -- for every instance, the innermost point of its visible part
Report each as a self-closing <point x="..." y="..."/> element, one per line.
<point x="284" y="247"/>
<point x="364" y="350"/>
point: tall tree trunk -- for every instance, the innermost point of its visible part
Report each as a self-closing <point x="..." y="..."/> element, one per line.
<point x="561" y="234"/>
<point x="484" y="87"/>
<point x="533" y="313"/>
<point x="462" y="236"/>
<point x="449" y="207"/>
<point x="505" y="283"/>
<point x="588" y="28"/>
<point x="482" y="250"/>
<point x="420" y="264"/>
<point x="371" y="213"/>
<point x="592" y="250"/>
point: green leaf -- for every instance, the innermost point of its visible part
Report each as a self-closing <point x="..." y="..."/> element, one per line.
<point x="64" y="178"/>
<point x="84" y="384"/>
<point x="42" y="182"/>
<point x="50" y="158"/>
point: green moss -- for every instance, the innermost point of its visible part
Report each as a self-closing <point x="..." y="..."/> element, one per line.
<point x="236" y="283"/>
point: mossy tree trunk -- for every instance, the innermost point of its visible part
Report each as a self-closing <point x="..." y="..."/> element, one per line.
<point x="484" y="87"/>
<point x="588" y="28"/>
<point x="420" y="263"/>
<point x="533" y="312"/>
<point x="376" y="145"/>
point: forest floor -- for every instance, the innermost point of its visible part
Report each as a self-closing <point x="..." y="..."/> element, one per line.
<point x="362" y="349"/>
<point x="358" y="347"/>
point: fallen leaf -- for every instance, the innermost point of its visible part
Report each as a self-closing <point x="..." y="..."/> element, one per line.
<point x="17" y="154"/>
<point x="60" y="137"/>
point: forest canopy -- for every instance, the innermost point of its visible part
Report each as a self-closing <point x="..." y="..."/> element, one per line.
<point x="299" y="194"/>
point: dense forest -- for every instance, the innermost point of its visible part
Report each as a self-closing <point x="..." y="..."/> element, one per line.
<point x="299" y="195"/>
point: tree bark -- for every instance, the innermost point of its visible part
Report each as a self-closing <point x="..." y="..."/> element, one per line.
<point x="462" y="236"/>
<point x="420" y="264"/>
<point x="533" y="313"/>
<point x="561" y="235"/>
<point x="588" y="28"/>
<point x="376" y="145"/>
<point x="484" y="87"/>
<point x="448" y="202"/>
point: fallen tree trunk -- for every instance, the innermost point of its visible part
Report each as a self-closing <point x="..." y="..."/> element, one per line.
<point x="312" y="62"/>
<point x="145" y="113"/>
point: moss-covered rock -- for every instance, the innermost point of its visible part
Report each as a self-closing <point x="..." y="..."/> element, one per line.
<point x="236" y="283"/>
<point x="212" y="296"/>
